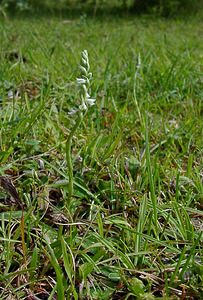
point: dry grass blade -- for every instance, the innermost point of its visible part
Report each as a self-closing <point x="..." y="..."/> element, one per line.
<point x="7" y="184"/>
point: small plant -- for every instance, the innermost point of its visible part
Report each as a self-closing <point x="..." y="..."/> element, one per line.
<point x="85" y="101"/>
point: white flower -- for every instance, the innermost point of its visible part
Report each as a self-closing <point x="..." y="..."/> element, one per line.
<point x="91" y="101"/>
<point x="81" y="81"/>
<point x="87" y="95"/>
<point x="72" y="111"/>
<point x="83" y="106"/>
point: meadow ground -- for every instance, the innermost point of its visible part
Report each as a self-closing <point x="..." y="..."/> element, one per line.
<point x="133" y="227"/>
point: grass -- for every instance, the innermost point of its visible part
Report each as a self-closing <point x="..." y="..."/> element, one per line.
<point x="133" y="227"/>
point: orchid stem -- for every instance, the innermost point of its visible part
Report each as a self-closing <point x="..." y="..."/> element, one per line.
<point x="69" y="156"/>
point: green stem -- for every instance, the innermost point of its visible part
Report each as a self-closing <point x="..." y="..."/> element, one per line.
<point x="69" y="156"/>
<point x="151" y="177"/>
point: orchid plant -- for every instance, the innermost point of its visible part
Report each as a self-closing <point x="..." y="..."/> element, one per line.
<point x="86" y="101"/>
